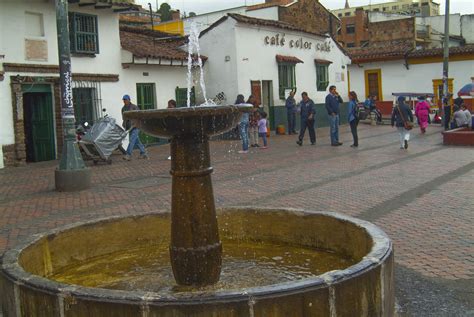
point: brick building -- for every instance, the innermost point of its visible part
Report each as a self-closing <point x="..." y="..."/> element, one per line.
<point x="406" y="7"/>
<point x="309" y="15"/>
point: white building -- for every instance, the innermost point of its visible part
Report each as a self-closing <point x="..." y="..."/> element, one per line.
<point x="106" y="64"/>
<point x="385" y="71"/>
<point x="267" y="58"/>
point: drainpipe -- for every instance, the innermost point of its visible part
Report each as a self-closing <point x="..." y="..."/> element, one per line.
<point x="446" y="107"/>
<point x="72" y="174"/>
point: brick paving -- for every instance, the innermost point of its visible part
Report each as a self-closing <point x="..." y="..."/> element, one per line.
<point x="423" y="198"/>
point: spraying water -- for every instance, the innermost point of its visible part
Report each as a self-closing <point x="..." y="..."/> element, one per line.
<point x="193" y="47"/>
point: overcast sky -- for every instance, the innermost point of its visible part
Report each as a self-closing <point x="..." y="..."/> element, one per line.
<point x="202" y="6"/>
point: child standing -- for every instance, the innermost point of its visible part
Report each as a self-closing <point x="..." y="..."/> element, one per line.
<point x="262" y="129"/>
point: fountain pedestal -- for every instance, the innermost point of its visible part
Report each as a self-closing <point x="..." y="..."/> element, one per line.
<point x="195" y="250"/>
<point x="195" y="247"/>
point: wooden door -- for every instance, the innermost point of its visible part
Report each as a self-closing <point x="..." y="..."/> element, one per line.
<point x="39" y="127"/>
<point x="256" y="90"/>
<point x="373" y="83"/>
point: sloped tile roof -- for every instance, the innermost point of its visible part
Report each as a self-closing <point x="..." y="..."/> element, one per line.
<point x="381" y="51"/>
<point x="288" y="59"/>
<point x="273" y="23"/>
<point x="144" y="43"/>
<point x="401" y="49"/>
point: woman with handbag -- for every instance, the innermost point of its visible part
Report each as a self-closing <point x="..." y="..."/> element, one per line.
<point x="403" y="119"/>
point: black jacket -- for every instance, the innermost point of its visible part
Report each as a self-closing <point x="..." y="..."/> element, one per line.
<point x="400" y="119"/>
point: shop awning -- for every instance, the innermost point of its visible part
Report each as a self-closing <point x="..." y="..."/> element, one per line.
<point x="322" y="61"/>
<point x="288" y="59"/>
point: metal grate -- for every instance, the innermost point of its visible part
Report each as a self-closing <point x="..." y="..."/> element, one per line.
<point x="83" y="33"/>
<point x="87" y="100"/>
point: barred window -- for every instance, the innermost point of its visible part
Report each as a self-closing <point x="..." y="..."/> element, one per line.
<point x="87" y="101"/>
<point x="83" y="33"/>
<point x="182" y="97"/>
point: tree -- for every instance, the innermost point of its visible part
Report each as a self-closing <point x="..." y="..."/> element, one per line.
<point x="192" y="14"/>
<point x="165" y="12"/>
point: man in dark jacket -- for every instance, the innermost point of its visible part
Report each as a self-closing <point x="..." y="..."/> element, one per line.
<point x="133" y="137"/>
<point x="307" y="112"/>
<point x="333" y="101"/>
<point x="401" y="114"/>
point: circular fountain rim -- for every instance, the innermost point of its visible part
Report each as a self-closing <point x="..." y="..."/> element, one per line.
<point x="186" y="111"/>
<point x="381" y="249"/>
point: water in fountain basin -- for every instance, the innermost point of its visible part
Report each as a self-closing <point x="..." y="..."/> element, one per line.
<point x="245" y="265"/>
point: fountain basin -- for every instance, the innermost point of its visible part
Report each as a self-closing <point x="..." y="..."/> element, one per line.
<point x="365" y="288"/>
<point x="203" y="120"/>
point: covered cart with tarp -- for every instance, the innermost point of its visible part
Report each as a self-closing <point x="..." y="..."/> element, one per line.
<point x="102" y="139"/>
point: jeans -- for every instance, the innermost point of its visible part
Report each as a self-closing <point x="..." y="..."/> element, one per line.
<point x="134" y="140"/>
<point x="263" y="135"/>
<point x="334" y="125"/>
<point x="353" y="125"/>
<point x="244" y="135"/>
<point x="291" y="121"/>
<point x="404" y="135"/>
<point x="305" y="123"/>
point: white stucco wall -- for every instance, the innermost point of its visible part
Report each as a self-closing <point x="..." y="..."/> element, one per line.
<point x="203" y="21"/>
<point x="437" y="23"/>
<point x="270" y="13"/>
<point x="467" y="28"/>
<point x="221" y="75"/>
<point x="255" y="60"/>
<point x="108" y="61"/>
<point x="419" y="78"/>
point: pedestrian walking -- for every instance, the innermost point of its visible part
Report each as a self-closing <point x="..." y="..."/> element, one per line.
<point x="352" y="118"/>
<point x="422" y="113"/>
<point x="291" y="109"/>
<point x="333" y="101"/>
<point x="262" y="129"/>
<point x="134" y="139"/>
<point x="253" y="121"/>
<point x="307" y="115"/>
<point x="243" y="126"/>
<point x="402" y="118"/>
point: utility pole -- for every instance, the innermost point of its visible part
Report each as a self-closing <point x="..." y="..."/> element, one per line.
<point x="446" y="107"/>
<point x="151" y="16"/>
<point x="72" y="174"/>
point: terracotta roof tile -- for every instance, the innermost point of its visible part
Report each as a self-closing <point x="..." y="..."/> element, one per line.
<point x="144" y="43"/>
<point x="322" y="61"/>
<point x="398" y="50"/>
<point x="273" y="23"/>
<point x="288" y="59"/>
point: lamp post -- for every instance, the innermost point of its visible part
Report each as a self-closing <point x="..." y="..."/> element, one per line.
<point x="446" y="107"/>
<point x="72" y="174"/>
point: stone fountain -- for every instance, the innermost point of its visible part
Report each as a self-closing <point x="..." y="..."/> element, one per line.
<point x="274" y="262"/>
<point x="271" y="262"/>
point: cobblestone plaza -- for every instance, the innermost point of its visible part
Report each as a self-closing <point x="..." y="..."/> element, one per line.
<point x="422" y="197"/>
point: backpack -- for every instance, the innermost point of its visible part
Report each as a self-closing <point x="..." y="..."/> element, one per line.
<point x="358" y="110"/>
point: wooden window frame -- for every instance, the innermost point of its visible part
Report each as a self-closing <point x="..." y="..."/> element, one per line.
<point x="366" y="76"/>
<point x="322" y="85"/>
<point x="286" y="80"/>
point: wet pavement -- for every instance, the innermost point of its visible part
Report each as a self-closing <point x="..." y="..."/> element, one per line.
<point x="422" y="197"/>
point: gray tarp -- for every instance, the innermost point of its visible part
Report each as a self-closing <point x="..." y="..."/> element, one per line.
<point x="105" y="135"/>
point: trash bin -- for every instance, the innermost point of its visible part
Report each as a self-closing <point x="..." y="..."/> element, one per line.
<point x="280" y="129"/>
